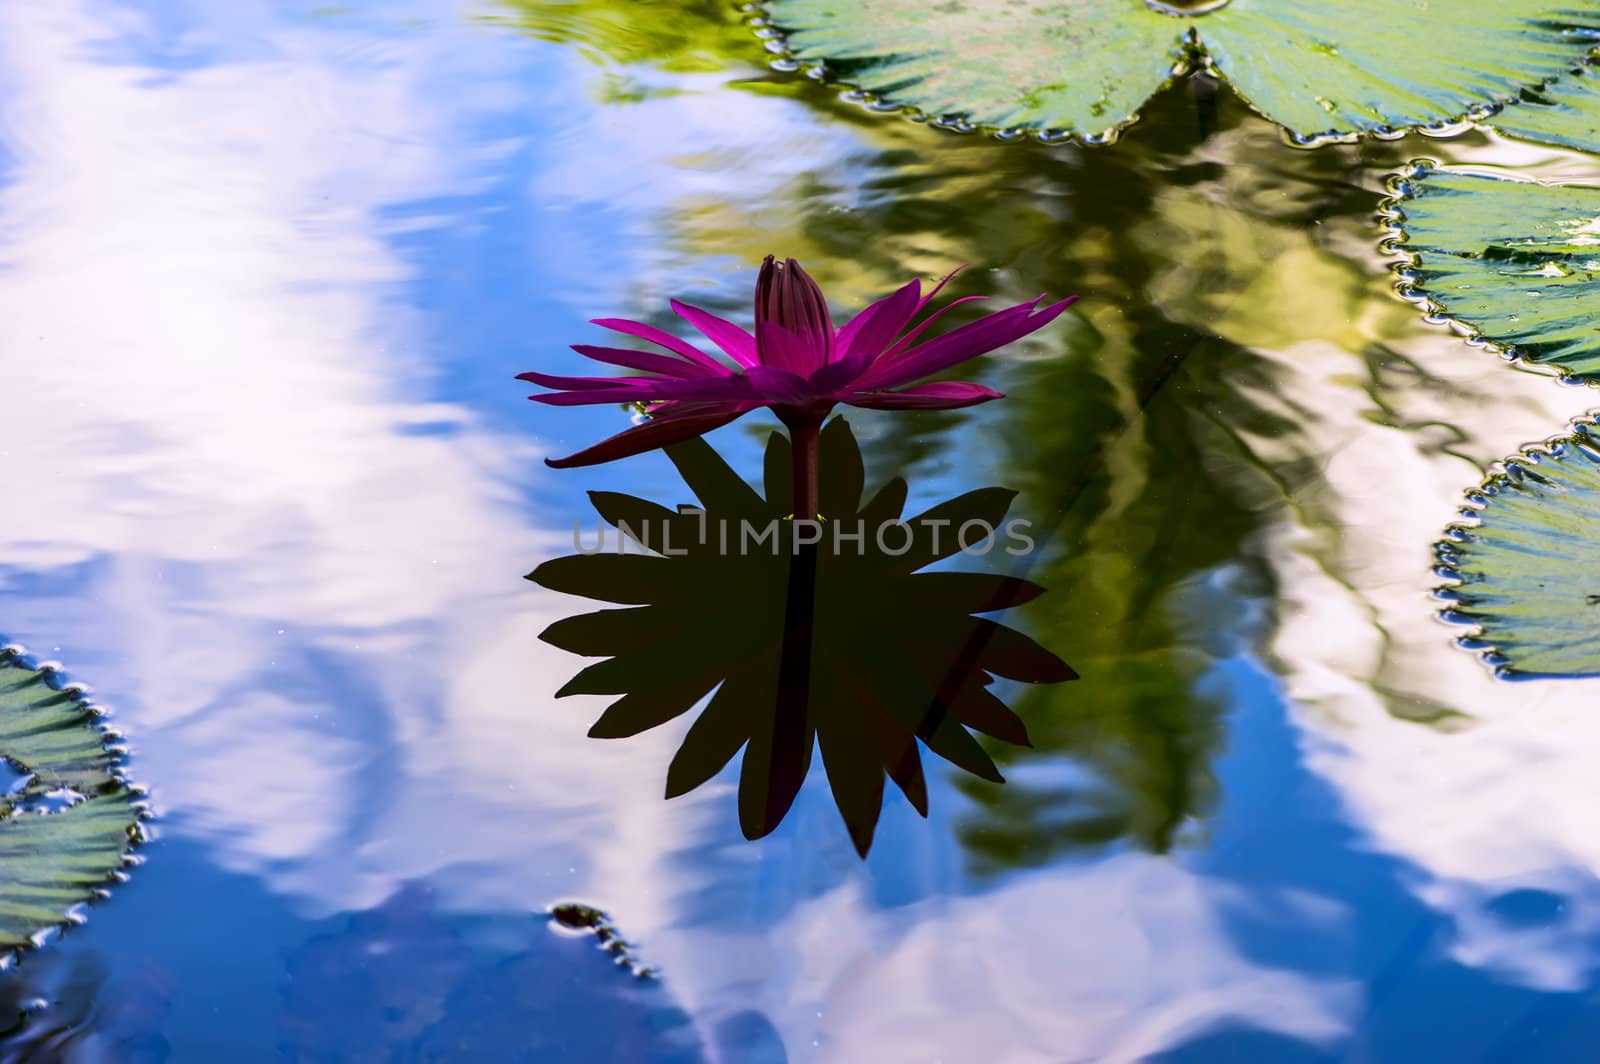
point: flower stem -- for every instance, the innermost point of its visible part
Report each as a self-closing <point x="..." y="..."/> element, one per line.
<point x="803" y="437"/>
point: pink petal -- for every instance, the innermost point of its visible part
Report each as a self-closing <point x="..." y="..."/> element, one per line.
<point x="595" y="398"/>
<point x="647" y="361"/>
<point x="871" y="331"/>
<point x="782" y="349"/>
<point x="904" y="343"/>
<point x="940" y="395"/>
<point x="931" y="296"/>
<point x="841" y="372"/>
<point x="780" y="386"/>
<point x="658" y="336"/>
<point x="658" y="432"/>
<point x="740" y="345"/>
<point x="675" y="408"/>
<point x="787" y="296"/>
<point x="645" y="390"/>
<point x="971" y="340"/>
<point x="581" y="384"/>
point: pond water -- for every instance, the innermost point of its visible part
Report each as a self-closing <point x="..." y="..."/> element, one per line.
<point x="267" y="272"/>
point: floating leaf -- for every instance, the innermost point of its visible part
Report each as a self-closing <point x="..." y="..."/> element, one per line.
<point x="1525" y="566"/>
<point x="1566" y="113"/>
<point x="1086" y="66"/>
<point x="67" y="819"/>
<point x="1516" y="262"/>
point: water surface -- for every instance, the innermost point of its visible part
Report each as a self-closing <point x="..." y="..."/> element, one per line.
<point x="267" y="271"/>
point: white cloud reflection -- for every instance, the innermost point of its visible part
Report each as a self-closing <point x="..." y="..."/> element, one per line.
<point x="219" y="428"/>
<point x="1404" y="421"/>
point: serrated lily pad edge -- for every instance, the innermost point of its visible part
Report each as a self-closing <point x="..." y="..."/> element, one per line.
<point x="55" y="676"/>
<point x="759" y="17"/>
<point x="1479" y="116"/>
<point x="1470" y="519"/>
<point x="1392" y="216"/>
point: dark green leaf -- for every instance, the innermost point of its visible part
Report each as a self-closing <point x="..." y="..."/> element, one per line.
<point x="1515" y="261"/>
<point x="52" y="861"/>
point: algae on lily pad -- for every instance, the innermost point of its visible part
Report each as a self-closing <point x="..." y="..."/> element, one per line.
<point x="1525" y="567"/>
<point x="1085" y="66"/>
<point x="67" y="818"/>
<point x="1515" y="262"/>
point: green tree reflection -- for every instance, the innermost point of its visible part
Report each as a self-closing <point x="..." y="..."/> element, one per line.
<point x="1135" y="437"/>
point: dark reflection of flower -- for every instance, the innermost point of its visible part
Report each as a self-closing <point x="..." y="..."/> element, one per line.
<point x="845" y="645"/>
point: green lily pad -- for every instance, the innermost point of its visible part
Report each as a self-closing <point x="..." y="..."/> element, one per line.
<point x="67" y="818"/>
<point x="1566" y="113"/>
<point x="1515" y="262"/>
<point x="1084" y="67"/>
<point x="1525" y="566"/>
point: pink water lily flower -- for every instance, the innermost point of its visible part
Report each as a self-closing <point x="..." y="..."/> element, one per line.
<point x="796" y="362"/>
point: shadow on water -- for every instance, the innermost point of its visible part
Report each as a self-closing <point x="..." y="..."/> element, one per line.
<point x="814" y="635"/>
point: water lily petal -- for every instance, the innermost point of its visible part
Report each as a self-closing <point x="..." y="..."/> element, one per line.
<point x="940" y="395"/>
<point x="660" y="337"/>
<point x="787" y="296"/>
<point x="782" y="349"/>
<point x="904" y="343"/>
<point x="934" y="292"/>
<point x="871" y="331"/>
<point x="582" y="384"/>
<point x="609" y="397"/>
<point x="779" y="385"/>
<point x="647" y="361"/>
<point x="969" y="341"/>
<point x="841" y="373"/>
<point x="658" y="432"/>
<point x="740" y="345"/>
<point x="648" y="390"/>
<point x="694" y="407"/>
